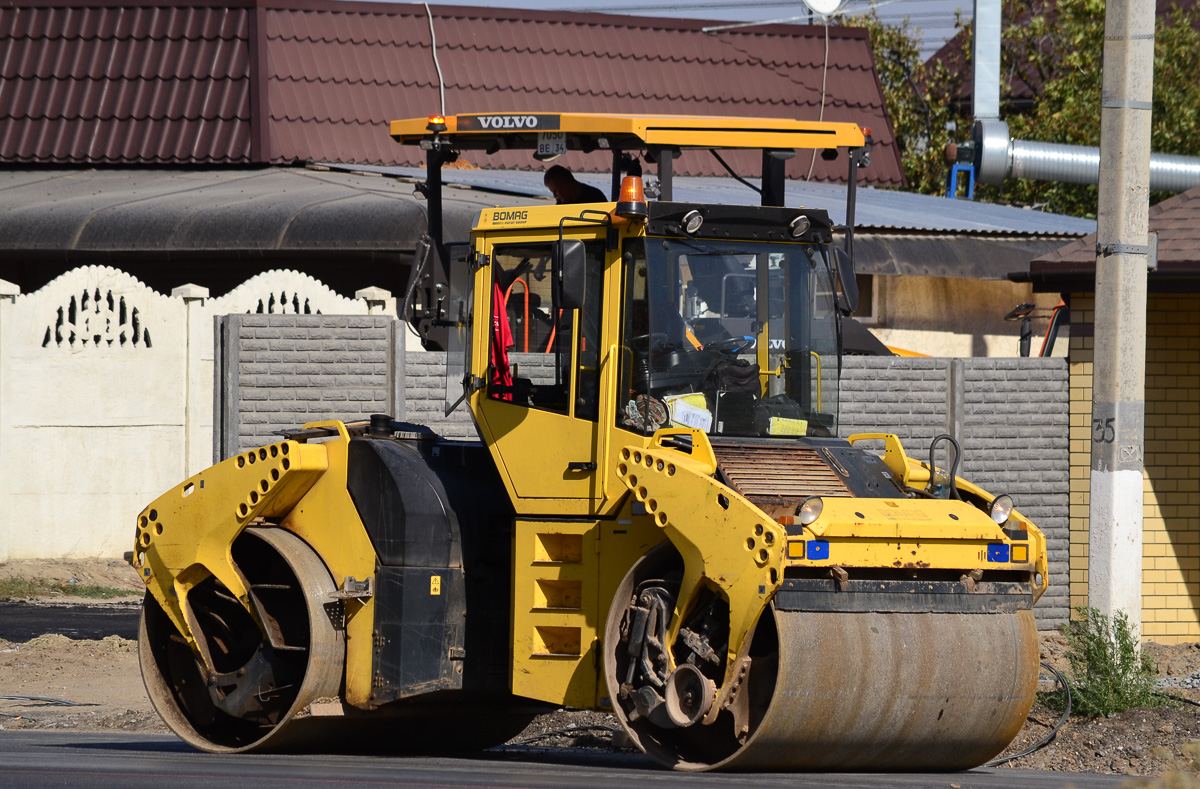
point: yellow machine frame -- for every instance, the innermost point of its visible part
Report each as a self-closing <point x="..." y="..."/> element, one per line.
<point x="737" y="549"/>
<point x="589" y="498"/>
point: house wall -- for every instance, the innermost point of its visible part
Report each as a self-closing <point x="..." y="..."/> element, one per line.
<point x="1171" y="477"/>
<point x="951" y="317"/>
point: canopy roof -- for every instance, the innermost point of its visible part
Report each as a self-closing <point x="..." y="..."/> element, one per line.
<point x="593" y="131"/>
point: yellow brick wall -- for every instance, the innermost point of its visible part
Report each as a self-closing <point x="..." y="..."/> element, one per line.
<point x="1171" y="536"/>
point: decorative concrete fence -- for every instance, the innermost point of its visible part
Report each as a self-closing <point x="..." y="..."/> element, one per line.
<point x="106" y="397"/>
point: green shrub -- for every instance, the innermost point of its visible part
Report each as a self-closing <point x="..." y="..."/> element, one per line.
<point x="1108" y="672"/>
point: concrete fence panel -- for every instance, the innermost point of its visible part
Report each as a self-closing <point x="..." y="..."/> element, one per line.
<point x="280" y="371"/>
<point x="106" y="395"/>
<point x="92" y="408"/>
<point x="1011" y="418"/>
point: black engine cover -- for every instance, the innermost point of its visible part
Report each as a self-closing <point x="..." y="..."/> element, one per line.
<point x="440" y="520"/>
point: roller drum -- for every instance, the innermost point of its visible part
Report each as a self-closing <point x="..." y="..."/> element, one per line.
<point x="175" y="683"/>
<point x="294" y="588"/>
<point x="895" y="691"/>
<point x="845" y="690"/>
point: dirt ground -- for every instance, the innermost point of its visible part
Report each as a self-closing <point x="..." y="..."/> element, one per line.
<point x="65" y="573"/>
<point x="102" y="684"/>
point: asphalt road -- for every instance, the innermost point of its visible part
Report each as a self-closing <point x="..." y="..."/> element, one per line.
<point x="23" y="621"/>
<point x="38" y="759"/>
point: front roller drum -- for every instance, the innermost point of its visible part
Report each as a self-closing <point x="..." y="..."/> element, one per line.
<point x="847" y="691"/>
<point x="256" y="698"/>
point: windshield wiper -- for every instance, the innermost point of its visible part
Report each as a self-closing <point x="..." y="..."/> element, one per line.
<point x="709" y="251"/>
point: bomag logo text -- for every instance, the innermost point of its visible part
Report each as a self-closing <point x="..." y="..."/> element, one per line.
<point x="508" y="121"/>
<point x="510" y="216"/>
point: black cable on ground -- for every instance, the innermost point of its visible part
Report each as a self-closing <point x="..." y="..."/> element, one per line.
<point x="17" y="717"/>
<point x="1173" y="697"/>
<point x="47" y="700"/>
<point x="1049" y="738"/>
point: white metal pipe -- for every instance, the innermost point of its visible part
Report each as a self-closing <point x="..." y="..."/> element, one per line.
<point x="1001" y="157"/>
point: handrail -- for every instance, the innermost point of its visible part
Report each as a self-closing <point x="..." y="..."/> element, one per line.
<point x="554" y="331"/>
<point x="525" y="322"/>
<point x="820" y="399"/>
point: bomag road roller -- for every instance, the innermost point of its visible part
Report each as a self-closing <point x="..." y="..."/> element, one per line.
<point x="658" y="519"/>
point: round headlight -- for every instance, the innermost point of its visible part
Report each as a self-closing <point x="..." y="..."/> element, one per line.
<point x="810" y="509"/>
<point x="1002" y="508"/>
<point x="692" y="222"/>
<point x="799" y="226"/>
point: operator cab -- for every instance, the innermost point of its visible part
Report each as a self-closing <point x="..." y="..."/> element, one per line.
<point x="574" y="330"/>
<point x="728" y="336"/>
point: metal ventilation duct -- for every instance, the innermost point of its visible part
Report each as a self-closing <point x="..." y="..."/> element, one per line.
<point x="998" y="156"/>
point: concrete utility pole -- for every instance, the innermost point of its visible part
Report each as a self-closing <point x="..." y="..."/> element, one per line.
<point x="1119" y="361"/>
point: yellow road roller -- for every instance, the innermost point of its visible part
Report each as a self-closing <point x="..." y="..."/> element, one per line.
<point x="658" y="519"/>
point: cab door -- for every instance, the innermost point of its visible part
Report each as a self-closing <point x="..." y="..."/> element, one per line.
<point x="540" y="398"/>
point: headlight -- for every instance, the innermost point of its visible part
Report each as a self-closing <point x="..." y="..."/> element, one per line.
<point x="1002" y="508"/>
<point x="810" y="509"/>
<point x="799" y="226"/>
<point x="692" y="221"/>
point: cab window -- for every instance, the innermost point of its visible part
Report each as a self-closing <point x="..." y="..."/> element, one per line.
<point x="534" y="344"/>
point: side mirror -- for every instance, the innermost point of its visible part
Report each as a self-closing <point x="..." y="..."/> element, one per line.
<point x="570" y="261"/>
<point x="848" y="298"/>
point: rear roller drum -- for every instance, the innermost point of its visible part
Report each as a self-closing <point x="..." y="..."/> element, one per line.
<point x="815" y="691"/>
<point x="252" y="699"/>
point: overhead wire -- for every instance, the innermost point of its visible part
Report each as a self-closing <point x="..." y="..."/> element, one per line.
<point x="821" y="115"/>
<point x="437" y="66"/>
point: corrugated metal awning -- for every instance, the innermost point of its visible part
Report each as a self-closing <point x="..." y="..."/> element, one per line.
<point x="896" y="233"/>
<point x="881" y="210"/>
<point x="961" y="255"/>
<point x="82" y="214"/>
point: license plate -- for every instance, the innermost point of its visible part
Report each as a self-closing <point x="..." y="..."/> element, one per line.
<point x="552" y="143"/>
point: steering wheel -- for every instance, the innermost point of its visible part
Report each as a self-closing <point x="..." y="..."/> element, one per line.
<point x="736" y="344"/>
<point x="644" y="342"/>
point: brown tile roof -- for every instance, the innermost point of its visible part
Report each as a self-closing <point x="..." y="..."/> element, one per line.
<point x="138" y="84"/>
<point x="1177" y="220"/>
<point x="336" y="72"/>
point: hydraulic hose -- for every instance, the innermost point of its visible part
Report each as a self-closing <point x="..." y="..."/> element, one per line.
<point x="953" y="466"/>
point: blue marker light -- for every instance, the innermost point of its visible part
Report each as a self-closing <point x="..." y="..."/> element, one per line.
<point x="998" y="552"/>
<point x="818" y="549"/>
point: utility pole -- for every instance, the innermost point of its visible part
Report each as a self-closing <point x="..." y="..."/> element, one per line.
<point x="1119" y="361"/>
